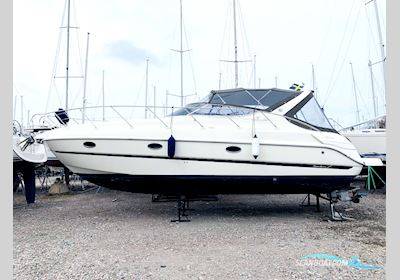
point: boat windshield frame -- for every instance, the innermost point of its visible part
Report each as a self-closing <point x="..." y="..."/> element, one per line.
<point x="249" y="109"/>
<point x="291" y="115"/>
<point x="293" y="94"/>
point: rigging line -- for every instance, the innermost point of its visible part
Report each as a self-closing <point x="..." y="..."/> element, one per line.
<point x="227" y="21"/>
<point x="139" y="90"/>
<point x="55" y="63"/>
<point x="23" y="103"/>
<point x="251" y="77"/>
<point x="77" y="90"/>
<point x="378" y="96"/>
<point x="326" y="34"/>
<point x="382" y="19"/>
<point x="77" y="36"/>
<point x="193" y="73"/>
<point x="99" y="96"/>
<point x="330" y="89"/>
<point x="344" y="58"/>
<point x="372" y="37"/>
<point x="225" y="46"/>
<point x="171" y="82"/>
<point x="18" y="93"/>
<point x="16" y="89"/>
<point x="340" y="48"/>
<point x="243" y="30"/>
<point x="59" y="95"/>
<point x="190" y="56"/>
<point x="244" y="44"/>
<point x="358" y="92"/>
<point x="169" y="78"/>
<point x="98" y="103"/>
<point x="380" y="44"/>
<point x="244" y="70"/>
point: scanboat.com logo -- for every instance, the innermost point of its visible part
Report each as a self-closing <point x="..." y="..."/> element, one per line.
<point x="329" y="260"/>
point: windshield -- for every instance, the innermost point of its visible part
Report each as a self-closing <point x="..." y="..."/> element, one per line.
<point x="212" y="109"/>
<point x="310" y="112"/>
<point x="267" y="99"/>
<point x="243" y="101"/>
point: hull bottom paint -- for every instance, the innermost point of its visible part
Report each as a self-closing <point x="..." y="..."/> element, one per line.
<point x="221" y="184"/>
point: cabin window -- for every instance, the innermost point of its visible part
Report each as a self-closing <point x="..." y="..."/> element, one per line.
<point x="154" y="146"/>
<point x="233" y="149"/>
<point x="89" y="144"/>
<point x="310" y="112"/>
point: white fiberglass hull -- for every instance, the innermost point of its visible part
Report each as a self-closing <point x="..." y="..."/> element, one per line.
<point x="33" y="153"/>
<point x="368" y="142"/>
<point x="203" y="158"/>
<point x="290" y="159"/>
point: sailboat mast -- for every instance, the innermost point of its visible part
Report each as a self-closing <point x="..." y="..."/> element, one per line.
<point x="383" y="56"/>
<point x="235" y="45"/>
<point x="154" y="105"/>
<point x="84" y="83"/>
<point x="67" y="67"/>
<point x="181" y="52"/>
<point x="372" y="87"/>
<point x="355" y="94"/>
<point x="15" y="106"/>
<point x="104" y="114"/>
<point x="147" y="88"/>
<point x="22" y="111"/>
<point x="166" y="103"/>
<point x="255" y="75"/>
<point x="382" y="48"/>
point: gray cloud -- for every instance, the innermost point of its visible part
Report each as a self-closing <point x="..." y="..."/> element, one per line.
<point x="126" y="51"/>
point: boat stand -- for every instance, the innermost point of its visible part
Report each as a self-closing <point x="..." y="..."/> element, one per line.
<point x="308" y="204"/>
<point x="371" y="179"/>
<point x="182" y="206"/>
<point x="335" y="216"/>
<point x="25" y="178"/>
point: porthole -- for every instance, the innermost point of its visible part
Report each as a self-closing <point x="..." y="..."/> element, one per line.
<point x="233" y="149"/>
<point x="154" y="146"/>
<point x="89" y="144"/>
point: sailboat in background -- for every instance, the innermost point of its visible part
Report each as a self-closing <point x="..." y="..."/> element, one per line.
<point x="29" y="151"/>
<point x="369" y="137"/>
<point x="236" y="61"/>
<point x="52" y="160"/>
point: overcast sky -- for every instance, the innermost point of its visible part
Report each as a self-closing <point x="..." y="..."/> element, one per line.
<point x="286" y="36"/>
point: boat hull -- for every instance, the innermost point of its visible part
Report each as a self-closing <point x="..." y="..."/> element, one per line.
<point x="221" y="184"/>
<point x="369" y="142"/>
<point x="218" y="156"/>
<point x="160" y="174"/>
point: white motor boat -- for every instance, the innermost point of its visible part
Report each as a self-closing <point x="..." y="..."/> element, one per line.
<point x="369" y="137"/>
<point x="28" y="153"/>
<point x="235" y="141"/>
<point x="26" y="148"/>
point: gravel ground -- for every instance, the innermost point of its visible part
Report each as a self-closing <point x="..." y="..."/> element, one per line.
<point x="117" y="235"/>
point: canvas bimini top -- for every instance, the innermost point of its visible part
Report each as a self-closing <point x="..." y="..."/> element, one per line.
<point x="242" y="101"/>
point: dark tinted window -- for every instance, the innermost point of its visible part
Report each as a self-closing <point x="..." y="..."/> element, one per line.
<point x="310" y="112"/>
<point x="212" y="109"/>
<point x="259" y="98"/>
